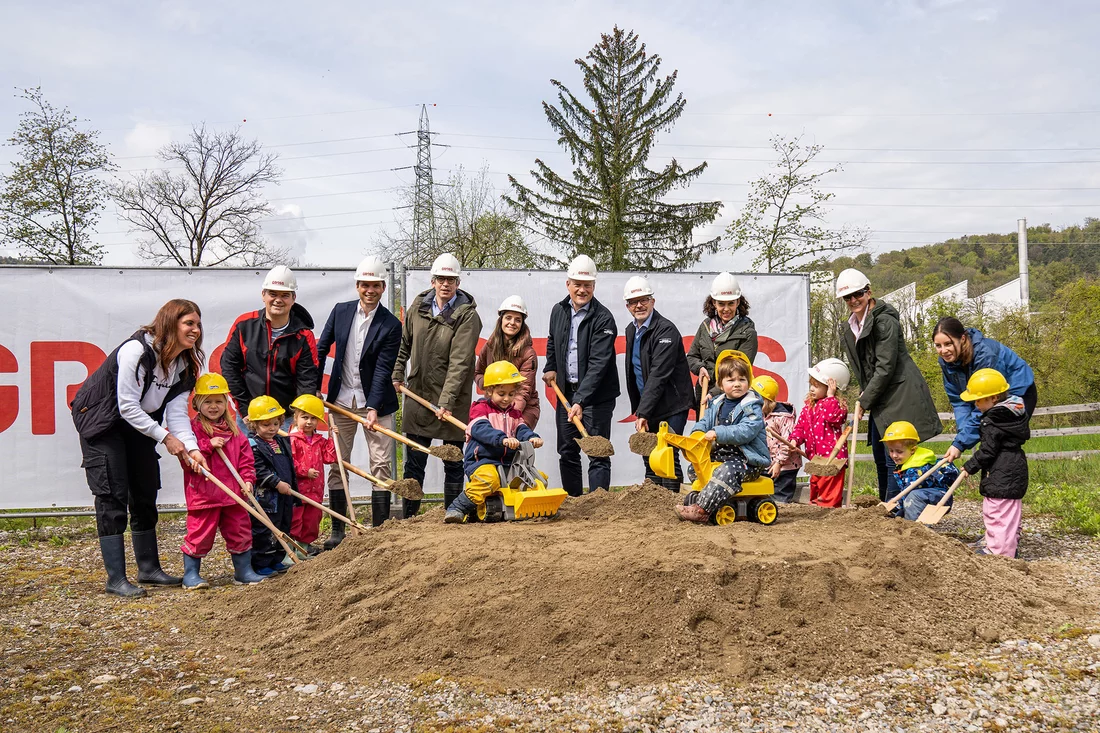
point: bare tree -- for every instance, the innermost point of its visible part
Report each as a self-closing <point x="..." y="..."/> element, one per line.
<point x="52" y="199"/>
<point x="471" y="221"/>
<point x="206" y="211"/>
<point x="782" y="218"/>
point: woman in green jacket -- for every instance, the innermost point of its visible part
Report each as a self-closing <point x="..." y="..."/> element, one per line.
<point x="727" y="326"/>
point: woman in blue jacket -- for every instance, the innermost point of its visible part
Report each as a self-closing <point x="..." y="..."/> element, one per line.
<point x="962" y="352"/>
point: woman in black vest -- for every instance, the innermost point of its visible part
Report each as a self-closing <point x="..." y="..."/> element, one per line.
<point x="118" y="412"/>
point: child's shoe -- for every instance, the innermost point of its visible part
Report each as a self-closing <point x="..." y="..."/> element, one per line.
<point x="692" y="513"/>
<point x="313" y="550"/>
<point x="191" y="578"/>
<point x="243" y="574"/>
<point x="280" y="568"/>
<point x="265" y="572"/>
<point x="459" y="510"/>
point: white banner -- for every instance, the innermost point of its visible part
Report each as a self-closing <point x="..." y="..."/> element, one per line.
<point x="59" y="324"/>
<point x="780" y="306"/>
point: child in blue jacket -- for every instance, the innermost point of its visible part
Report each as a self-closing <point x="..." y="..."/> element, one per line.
<point x="903" y="444"/>
<point x="275" y="477"/>
<point x="734" y="422"/>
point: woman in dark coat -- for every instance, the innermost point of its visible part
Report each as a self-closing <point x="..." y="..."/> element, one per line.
<point x="118" y="413"/>
<point x="893" y="388"/>
<point x="727" y="326"/>
<point x="511" y="341"/>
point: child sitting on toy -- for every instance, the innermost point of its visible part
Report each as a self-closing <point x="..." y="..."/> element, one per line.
<point x="779" y="418"/>
<point x="1000" y="457"/>
<point x="903" y="444"/>
<point x="819" y="427"/>
<point x="274" y="480"/>
<point x="492" y="440"/>
<point x="734" y="422"/>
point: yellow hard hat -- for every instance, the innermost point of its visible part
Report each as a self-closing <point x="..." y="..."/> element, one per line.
<point x="900" y="430"/>
<point x="264" y="408"/>
<point x="211" y="383"/>
<point x="502" y="372"/>
<point x="984" y="383"/>
<point x="309" y="404"/>
<point x="733" y="354"/>
<point x="766" y="387"/>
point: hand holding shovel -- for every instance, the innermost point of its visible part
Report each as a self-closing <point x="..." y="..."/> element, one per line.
<point x="933" y="514"/>
<point x="433" y="407"/>
<point x="832" y="465"/>
<point x="596" y="446"/>
<point x="790" y="446"/>
<point x="892" y="504"/>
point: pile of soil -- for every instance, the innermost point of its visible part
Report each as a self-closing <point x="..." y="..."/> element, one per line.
<point x="616" y="588"/>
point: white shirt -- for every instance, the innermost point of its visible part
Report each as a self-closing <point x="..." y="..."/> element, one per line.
<point x="136" y="410"/>
<point x="572" y="370"/>
<point x="856" y="323"/>
<point x="351" y="385"/>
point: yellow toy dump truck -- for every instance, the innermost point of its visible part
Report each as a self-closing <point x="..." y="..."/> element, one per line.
<point x="523" y="493"/>
<point x="754" y="502"/>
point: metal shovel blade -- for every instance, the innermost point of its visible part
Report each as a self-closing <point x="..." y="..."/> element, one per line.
<point x="596" y="446"/>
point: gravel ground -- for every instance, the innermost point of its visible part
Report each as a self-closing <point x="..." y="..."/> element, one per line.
<point x="75" y="659"/>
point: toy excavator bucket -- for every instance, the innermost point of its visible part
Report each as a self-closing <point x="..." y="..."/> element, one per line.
<point x="696" y="449"/>
<point x="662" y="460"/>
<point x="537" y="502"/>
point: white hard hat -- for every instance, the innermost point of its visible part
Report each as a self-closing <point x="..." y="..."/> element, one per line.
<point x="371" y="270"/>
<point x="281" y="278"/>
<point x="724" y="287"/>
<point x="636" y="287"/>
<point x="827" y="369"/>
<point x="582" y="268"/>
<point x="446" y="265"/>
<point x="513" y="303"/>
<point x="850" y="281"/>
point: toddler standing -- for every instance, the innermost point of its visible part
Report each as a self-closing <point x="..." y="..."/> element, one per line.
<point x="819" y="427"/>
<point x="274" y="479"/>
<point x="310" y="451"/>
<point x="779" y="417"/>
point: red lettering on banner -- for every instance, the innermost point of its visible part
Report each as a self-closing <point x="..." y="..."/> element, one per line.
<point x="9" y="394"/>
<point x="44" y="354"/>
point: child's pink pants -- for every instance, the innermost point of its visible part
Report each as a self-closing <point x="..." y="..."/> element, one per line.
<point x="1002" y="525"/>
<point x="203" y="524"/>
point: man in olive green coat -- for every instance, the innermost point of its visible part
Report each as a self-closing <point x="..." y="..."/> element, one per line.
<point x="439" y="346"/>
<point x="893" y="388"/>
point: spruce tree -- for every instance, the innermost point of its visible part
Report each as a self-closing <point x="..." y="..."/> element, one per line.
<point x="611" y="209"/>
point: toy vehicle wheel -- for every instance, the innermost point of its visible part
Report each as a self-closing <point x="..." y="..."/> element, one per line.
<point x="764" y="511"/>
<point x="493" y="511"/>
<point x="726" y="514"/>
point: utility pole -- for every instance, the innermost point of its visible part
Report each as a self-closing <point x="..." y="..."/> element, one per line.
<point x="1021" y="246"/>
<point x="423" y="200"/>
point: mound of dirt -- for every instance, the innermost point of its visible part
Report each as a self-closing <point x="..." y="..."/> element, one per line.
<point x="615" y="587"/>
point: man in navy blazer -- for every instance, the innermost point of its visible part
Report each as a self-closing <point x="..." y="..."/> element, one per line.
<point x="366" y="337"/>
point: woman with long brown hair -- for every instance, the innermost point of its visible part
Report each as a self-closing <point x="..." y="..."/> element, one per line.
<point x="118" y="412"/>
<point x="727" y="326"/>
<point x="511" y="341"/>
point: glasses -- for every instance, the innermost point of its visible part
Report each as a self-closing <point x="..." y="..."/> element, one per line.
<point x="446" y="280"/>
<point x="632" y="304"/>
<point x="856" y="295"/>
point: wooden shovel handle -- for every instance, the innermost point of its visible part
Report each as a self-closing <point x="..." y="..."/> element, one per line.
<point x="335" y="434"/>
<point x="920" y="480"/>
<point x="369" y="477"/>
<point x="951" y="491"/>
<point x="257" y="512"/>
<point x="377" y="428"/>
<point x="704" y="385"/>
<point x="786" y="442"/>
<point x="318" y="505"/>
<point x="840" y="442"/>
<point x="434" y="408"/>
<point x="854" y="427"/>
<point x="567" y="406"/>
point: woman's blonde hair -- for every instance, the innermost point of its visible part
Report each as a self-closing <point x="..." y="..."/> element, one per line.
<point x="811" y="400"/>
<point x="199" y="399"/>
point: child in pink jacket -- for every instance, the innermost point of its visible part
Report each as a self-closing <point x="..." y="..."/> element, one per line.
<point x="779" y="418"/>
<point x="819" y="427"/>
<point x="311" y="451"/>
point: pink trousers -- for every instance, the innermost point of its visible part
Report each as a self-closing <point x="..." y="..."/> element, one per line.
<point x="203" y="524"/>
<point x="1002" y="525"/>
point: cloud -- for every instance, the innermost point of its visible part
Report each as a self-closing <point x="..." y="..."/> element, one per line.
<point x="287" y="229"/>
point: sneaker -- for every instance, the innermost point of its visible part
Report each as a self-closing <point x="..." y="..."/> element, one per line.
<point x="280" y="568"/>
<point x="265" y="571"/>
<point x="976" y="544"/>
<point x="692" y="513"/>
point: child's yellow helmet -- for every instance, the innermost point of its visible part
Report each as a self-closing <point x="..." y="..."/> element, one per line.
<point x="733" y="354"/>
<point x="502" y="372"/>
<point x="211" y="383"/>
<point x="900" y="430"/>
<point x="766" y="387"/>
<point x="309" y="404"/>
<point x="264" y="408"/>
<point x="984" y="383"/>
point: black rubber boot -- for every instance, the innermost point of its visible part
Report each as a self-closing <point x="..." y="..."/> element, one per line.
<point x="338" y="500"/>
<point x="336" y="537"/>
<point x="379" y="507"/>
<point x="148" y="560"/>
<point x="412" y="507"/>
<point x="113" y="549"/>
<point x="450" y="493"/>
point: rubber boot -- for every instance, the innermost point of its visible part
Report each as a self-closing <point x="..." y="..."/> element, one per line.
<point x="148" y="560"/>
<point x="338" y="501"/>
<point x="450" y="493"/>
<point x="460" y="509"/>
<point x="243" y="574"/>
<point x="336" y="537"/>
<point x="191" y="578"/>
<point x="379" y="507"/>
<point x="412" y="507"/>
<point x="113" y="549"/>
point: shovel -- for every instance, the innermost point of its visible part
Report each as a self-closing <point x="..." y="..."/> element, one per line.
<point x="852" y="454"/>
<point x="595" y="446"/>
<point x="335" y="432"/>
<point x="933" y="514"/>
<point x="832" y="465"/>
<point x="643" y="443"/>
<point x="335" y="515"/>
<point x="891" y="505"/>
<point x="790" y="446"/>
<point x="406" y="488"/>
<point x="443" y="452"/>
<point x="434" y="408"/>
<point x="704" y="383"/>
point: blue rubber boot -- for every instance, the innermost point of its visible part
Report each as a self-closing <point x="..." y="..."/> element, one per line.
<point x="460" y="510"/>
<point x="191" y="578"/>
<point x="243" y="574"/>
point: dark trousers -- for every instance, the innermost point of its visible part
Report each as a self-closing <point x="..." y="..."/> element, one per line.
<point x="415" y="461"/>
<point x="124" y="474"/>
<point x="887" y="478"/>
<point x="597" y="421"/>
<point x="676" y="423"/>
<point x="266" y="550"/>
<point x="785" y="485"/>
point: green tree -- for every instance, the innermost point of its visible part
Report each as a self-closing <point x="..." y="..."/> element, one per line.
<point x="612" y="206"/>
<point x="783" y="217"/>
<point x="51" y="201"/>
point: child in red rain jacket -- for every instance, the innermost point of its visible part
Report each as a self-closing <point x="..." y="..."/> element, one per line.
<point x="208" y="507"/>
<point x="819" y="427"/>
<point x="310" y="451"/>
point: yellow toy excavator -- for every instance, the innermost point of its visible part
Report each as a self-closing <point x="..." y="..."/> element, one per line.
<point x="754" y="502"/>
<point x="522" y="493"/>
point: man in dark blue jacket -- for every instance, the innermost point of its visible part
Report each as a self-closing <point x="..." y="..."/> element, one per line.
<point x="580" y="357"/>
<point x="366" y="337"/>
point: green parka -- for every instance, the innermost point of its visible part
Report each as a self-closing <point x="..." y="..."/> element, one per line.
<point x="893" y="387"/>
<point x="741" y="336"/>
<point x="440" y="352"/>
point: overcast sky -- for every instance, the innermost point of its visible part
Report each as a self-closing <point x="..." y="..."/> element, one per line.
<point x="935" y="107"/>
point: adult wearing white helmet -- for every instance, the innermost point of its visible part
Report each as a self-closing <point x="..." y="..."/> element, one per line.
<point x="438" y="350"/>
<point x="271" y="351"/>
<point x="511" y="341"/>
<point x="726" y="326"/>
<point x="580" y="357"/>
<point x="657" y="377"/>
<point x="893" y="388"/>
<point x="363" y="337"/>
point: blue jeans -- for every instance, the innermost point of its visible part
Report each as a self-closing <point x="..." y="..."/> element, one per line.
<point x="917" y="499"/>
<point x="887" y="480"/>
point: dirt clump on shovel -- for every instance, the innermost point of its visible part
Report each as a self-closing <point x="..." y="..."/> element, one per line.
<point x="615" y="587"/>
<point x="643" y="444"/>
<point x="596" y="446"/>
<point x="407" y="488"/>
<point x="447" y="452"/>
